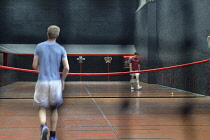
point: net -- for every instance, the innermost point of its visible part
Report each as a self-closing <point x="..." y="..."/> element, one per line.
<point x="171" y="82"/>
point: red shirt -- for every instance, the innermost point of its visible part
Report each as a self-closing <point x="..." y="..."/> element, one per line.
<point x="135" y="62"/>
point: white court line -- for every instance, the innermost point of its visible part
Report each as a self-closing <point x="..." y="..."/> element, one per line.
<point x="103" y="114"/>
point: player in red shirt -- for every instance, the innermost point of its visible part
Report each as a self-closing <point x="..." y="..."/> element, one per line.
<point x="135" y="66"/>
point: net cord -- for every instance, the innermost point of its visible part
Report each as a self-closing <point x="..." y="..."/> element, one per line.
<point x="112" y="73"/>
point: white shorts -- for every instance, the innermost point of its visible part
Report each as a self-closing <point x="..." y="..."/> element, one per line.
<point x="48" y="93"/>
<point x="135" y="74"/>
<point x="133" y="80"/>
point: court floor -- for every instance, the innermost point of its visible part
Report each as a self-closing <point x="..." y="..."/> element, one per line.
<point x="108" y="111"/>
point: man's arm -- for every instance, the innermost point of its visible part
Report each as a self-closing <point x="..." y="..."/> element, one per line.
<point x="65" y="70"/>
<point x="139" y="66"/>
<point x="35" y="62"/>
<point x="130" y="65"/>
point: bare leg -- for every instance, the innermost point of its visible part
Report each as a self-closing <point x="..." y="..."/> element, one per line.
<point x="138" y="83"/>
<point x="42" y="115"/>
<point x="132" y="79"/>
<point x="44" y="128"/>
<point x="54" y="118"/>
<point x="137" y="80"/>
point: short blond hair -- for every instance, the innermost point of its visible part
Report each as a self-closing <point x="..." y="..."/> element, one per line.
<point x="53" y="31"/>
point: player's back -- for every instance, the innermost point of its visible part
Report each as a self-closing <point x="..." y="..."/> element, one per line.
<point x="50" y="55"/>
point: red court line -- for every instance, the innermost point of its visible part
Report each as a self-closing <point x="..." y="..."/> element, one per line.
<point x="110" y="134"/>
<point x="19" y="136"/>
<point x="133" y="134"/>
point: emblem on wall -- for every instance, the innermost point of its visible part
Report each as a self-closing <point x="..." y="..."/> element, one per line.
<point x="81" y="59"/>
<point x="108" y="59"/>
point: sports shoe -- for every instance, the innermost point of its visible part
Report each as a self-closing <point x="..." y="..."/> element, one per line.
<point x="52" y="138"/>
<point x="139" y="87"/>
<point x="44" y="132"/>
<point x="132" y="88"/>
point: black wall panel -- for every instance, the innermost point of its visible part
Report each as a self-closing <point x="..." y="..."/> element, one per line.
<point x="141" y="39"/>
<point x="9" y="76"/>
<point x="91" y="64"/>
<point x="81" y="21"/>
<point x="1" y="77"/>
<point x="25" y="62"/>
<point x="181" y="30"/>
<point x="146" y="40"/>
<point x="12" y="62"/>
<point x="117" y="65"/>
<point x="94" y="65"/>
<point x="74" y="68"/>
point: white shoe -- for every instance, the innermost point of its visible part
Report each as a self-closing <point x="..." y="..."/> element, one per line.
<point x="139" y="87"/>
<point x="132" y="88"/>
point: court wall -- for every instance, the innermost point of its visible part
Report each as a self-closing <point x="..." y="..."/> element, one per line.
<point x="179" y="29"/>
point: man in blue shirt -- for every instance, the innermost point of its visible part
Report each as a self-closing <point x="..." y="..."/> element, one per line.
<point x="48" y="91"/>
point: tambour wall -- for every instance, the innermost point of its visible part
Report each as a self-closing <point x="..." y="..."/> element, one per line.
<point x="145" y="40"/>
<point x="181" y="30"/>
